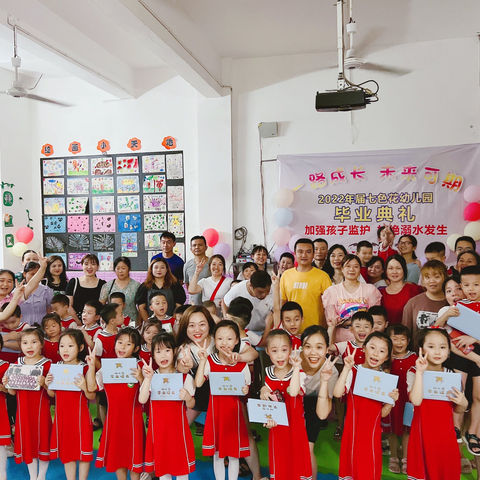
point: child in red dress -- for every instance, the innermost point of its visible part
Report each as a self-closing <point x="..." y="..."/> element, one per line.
<point x="289" y="455"/>
<point x="122" y="445"/>
<point x="433" y="452"/>
<point x="402" y="360"/>
<point x="52" y="327"/>
<point x="169" y="447"/>
<point x="361" y="448"/>
<point x="4" y="422"/>
<point x="225" y="432"/>
<point x="151" y="328"/>
<point x="33" y="423"/>
<point x="72" y="434"/>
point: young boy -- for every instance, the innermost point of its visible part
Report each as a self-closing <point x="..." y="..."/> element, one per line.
<point x="212" y="308"/>
<point x="435" y="251"/>
<point x="361" y="327"/>
<point x="365" y="254"/>
<point x="60" y="305"/>
<point x="10" y="332"/>
<point x="291" y="318"/>
<point x="421" y="311"/>
<point x="112" y="315"/>
<point x="379" y="314"/>
<point x="119" y="299"/>
<point x="159" y="307"/>
<point x="90" y="320"/>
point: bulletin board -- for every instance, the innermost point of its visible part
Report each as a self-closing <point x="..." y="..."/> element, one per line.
<point x="112" y="205"/>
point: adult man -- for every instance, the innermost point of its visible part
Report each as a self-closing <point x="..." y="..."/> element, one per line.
<point x="257" y="290"/>
<point x="463" y="244"/>
<point x="198" y="246"/>
<point x="305" y="284"/>
<point x="175" y="263"/>
<point x="320" y="249"/>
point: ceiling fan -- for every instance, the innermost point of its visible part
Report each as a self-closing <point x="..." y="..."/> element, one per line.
<point x="353" y="57"/>
<point x="21" y="81"/>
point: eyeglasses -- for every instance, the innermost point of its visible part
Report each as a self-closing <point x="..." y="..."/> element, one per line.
<point x="405" y="243"/>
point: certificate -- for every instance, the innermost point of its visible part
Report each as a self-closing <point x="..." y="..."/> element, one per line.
<point x="64" y="376"/>
<point x="166" y="386"/>
<point x="118" y="370"/>
<point x="467" y="322"/>
<point x="260" y="411"/>
<point x="23" y="377"/>
<point x="375" y="385"/>
<point x="228" y="383"/>
<point x="437" y="384"/>
<point x="408" y="414"/>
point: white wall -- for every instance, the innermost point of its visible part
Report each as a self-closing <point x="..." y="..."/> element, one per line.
<point x="438" y="103"/>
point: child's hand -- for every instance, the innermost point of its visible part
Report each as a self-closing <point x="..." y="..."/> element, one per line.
<point x="147" y="369"/>
<point x="184" y="395"/>
<point x="457" y="397"/>
<point x="137" y="373"/>
<point x="80" y="382"/>
<point x="464" y="341"/>
<point x="231" y="356"/>
<point x="48" y="379"/>
<point x="90" y="358"/>
<point x="41" y="380"/>
<point x="270" y="424"/>
<point x="394" y="395"/>
<point x="295" y="359"/>
<point x="185" y="363"/>
<point x="5" y="380"/>
<point x="327" y="370"/>
<point x="202" y="354"/>
<point x="421" y="364"/>
<point x="453" y="311"/>
<point x="266" y="394"/>
<point x="349" y="360"/>
<point x="275" y="280"/>
<point x="245" y="389"/>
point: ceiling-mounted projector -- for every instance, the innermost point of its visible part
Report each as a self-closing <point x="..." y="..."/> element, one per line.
<point x="341" y="100"/>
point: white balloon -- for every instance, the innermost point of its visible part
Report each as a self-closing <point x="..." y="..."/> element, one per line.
<point x="472" y="229"/>
<point x="451" y="241"/>
<point x="284" y="197"/>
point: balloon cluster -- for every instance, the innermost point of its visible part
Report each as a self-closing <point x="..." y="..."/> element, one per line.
<point x="283" y="217"/>
<point x="214" y="246"/>
<point x="471" y="213"/>
<point x="23" y="236"/>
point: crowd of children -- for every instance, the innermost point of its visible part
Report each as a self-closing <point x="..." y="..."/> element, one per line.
<point x="304" y="368"/>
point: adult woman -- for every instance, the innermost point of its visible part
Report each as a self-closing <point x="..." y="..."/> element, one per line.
<point x="124" y="284"/>
<point x="376" y="272"/>
<point x="56" y="274"/>
<point x="399" y="291"/>
<point x="87" y="287"/>
<point x="37" y="305"/>
<point x="406" y="247"/>
<point x="159" y="278"/>
<point x="467" y="258"/>
<point x="215" y="287"/>
<point x="341" y="301"/>
<point x="333" y="263"/>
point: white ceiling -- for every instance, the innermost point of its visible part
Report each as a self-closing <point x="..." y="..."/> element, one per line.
<point x="127" y="47"/>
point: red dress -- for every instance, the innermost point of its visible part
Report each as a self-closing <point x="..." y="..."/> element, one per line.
<point x="348" y="347"/>
<point x="145" y="354"/>
<point x="34" y="422"/>
<point x="288" y="450"/>
<point x="93" y="330"/>
<point x="50" y="351"/>
<point x="433" y="452"/>
<point x="72" y="434"/>
<point x="394" y="303"/>
<point x="123" y="438"/>
<point x="361" y="448"/>
<point x="400" y="367"/>
<point x="225" y="429"/>
<point x="5" y="433"/>
<point x="169" y="448"/>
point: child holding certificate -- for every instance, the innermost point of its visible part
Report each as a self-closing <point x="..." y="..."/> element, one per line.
<point x="33" y="423"/>
<point x="72" y="435"/>
<point x="122" y="444"/>
<point x="289" y="457"/>
<point x="225" y="432"/>
<point x="169" y="447"/>
<point x="432" y="448"/>
<point x="361" y="448"/>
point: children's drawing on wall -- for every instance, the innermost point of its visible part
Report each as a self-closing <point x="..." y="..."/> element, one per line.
<point x="155" y="203"/>
<point x="77" y="205"/>
<point x="103" y="204"/>
<point x="127" y="165"/>
<point x="104" y="241"/>
<point x="128" y="203"/>
<point x="53" y="186"/>
<point x="175" y="197"/>
<point x="129" y="244"/>
<point x="104" y="223"/>
<point x="176" y="224"/>
<point x="78" y="186"/>
<point x="129" y="223"/>
<point x="53" y="168"/>
<point x="54" y="206"/>
<point x="153" y="163"/>
<point x="155" y="222"/>
<point x="106" y="261"/>
<point x="78" y="223"/>
<point x="175" y="166"/>
<point x="101" y="166"/>
<point x="55" y="224"/>
<point x="77" y="166"/>
<point x="154" y="184"/>
<point x="102" y="185"/>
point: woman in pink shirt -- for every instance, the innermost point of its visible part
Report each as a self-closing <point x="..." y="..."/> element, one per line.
<point x="343" y="300"/>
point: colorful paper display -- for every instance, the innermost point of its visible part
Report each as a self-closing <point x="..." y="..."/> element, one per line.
<point x="128" y="184"/>
<point x="154" y="184"/>
<point x="54" y="205"/>
<point x="153" y="163"/>
<point x="129" y="223"/>
<point x="101" y="166"/>
<point x="175" y="197"/>
<point x="155" y="203"/>
<point x="78" y="186"/>
<point x="56" y="224"/>
<point x="77" y="205"/>
<point x="128" y="203"/>
<point x="155" y="222"/>
<point x="78" y="223"/>
<point x="104" y="223"/>
<point x="53" y="186"/>
<point x="102" y="185"/>
<point x="53" y="167"/>
<point x="104" y="204"/>
<point x="75" y="261"/>
<point x="77" y="166"/>
<point x="127" y="165"/>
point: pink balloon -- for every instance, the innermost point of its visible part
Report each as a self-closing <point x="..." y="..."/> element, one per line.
<point x="279" y="251"/>
<point x="471" y="212"/>
<point x="222" y="249"/>
<point x="211" y="236"/>
<point x="292" y="241"/>
<point x="24" y="234"/>
<point x="281" y="236"/>
<point x="472" y="193"/>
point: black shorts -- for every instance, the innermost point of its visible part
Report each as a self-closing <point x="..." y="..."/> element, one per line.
<point x="202" y="397"/>
<point x="312" y="422"/>
<point x="455" y="362"/>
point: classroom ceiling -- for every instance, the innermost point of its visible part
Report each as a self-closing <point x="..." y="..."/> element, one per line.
<point x="127" y="47"/>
